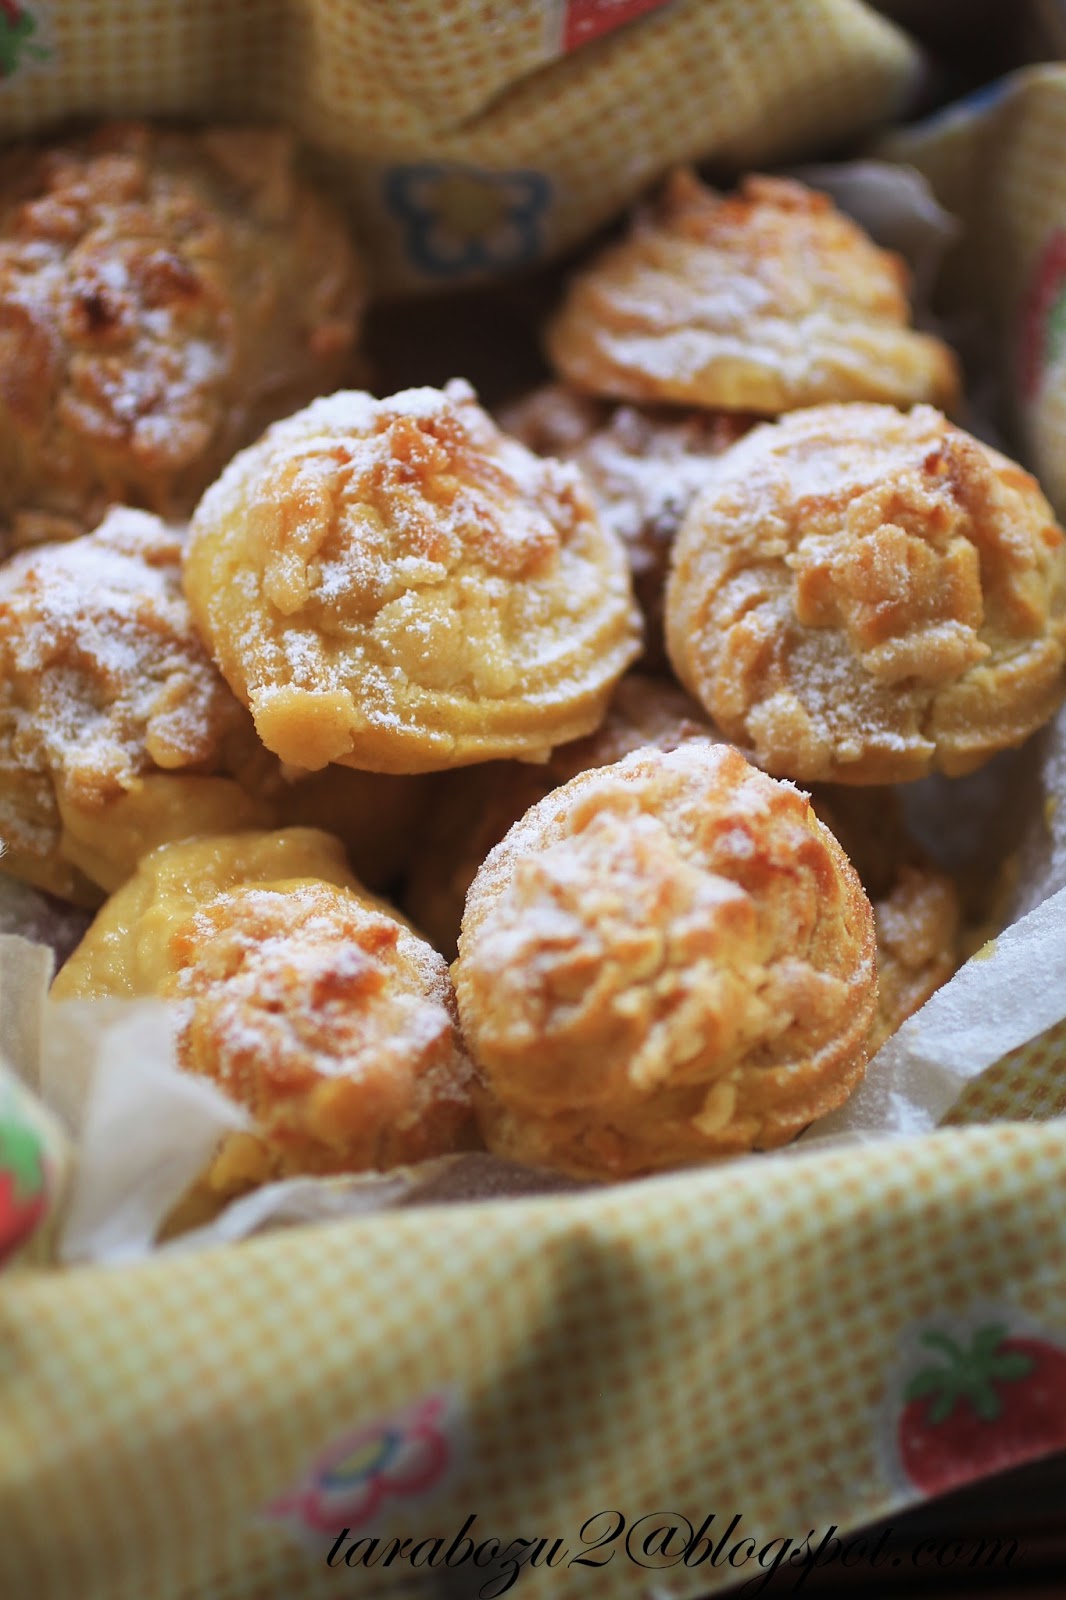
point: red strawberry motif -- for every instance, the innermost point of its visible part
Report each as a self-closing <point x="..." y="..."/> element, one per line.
<point x="591" y="19"/>
<point x="17" y="29"/>
<point x="23" y="1201"/>
<point x="982" y="1408"/>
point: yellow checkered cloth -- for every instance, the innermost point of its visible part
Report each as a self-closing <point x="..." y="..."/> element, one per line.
<point x="997" y="164"/>
<point x="432" y="115"/>
<point x="722" y="1341"/>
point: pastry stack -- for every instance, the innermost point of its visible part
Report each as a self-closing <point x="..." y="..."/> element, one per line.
<point x="604" y="693"/>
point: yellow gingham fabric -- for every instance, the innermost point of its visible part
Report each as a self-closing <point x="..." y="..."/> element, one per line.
<point x="727" y="1340"/>
<point x="479" y="90"/>
<point x="1027" y="1082"/>
<point x="997" y="164"/>
<point x="723" y="1341"/>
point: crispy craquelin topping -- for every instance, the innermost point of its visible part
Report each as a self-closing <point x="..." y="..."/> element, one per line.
<point x="116" y="731"/>
<point x="310" y="1003"/>
<point x="667" y="959"/>
<point x="864" y="596"/>
<point x="761" y="301"/>
<point x="163" y="295"/>
<point x="397" y="586"/>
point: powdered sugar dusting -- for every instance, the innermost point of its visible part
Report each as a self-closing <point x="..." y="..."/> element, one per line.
<point x="859" y="594"/>
<point x="161" y="307"/>
<point x="292" y="987"/>
<point x="664" y="960"/>
<point x="405" y="553"/>
<point x="104" y="675"/>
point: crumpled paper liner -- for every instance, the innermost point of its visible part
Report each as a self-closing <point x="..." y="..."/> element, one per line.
<point x="1011" y="991"/>
<point x="35" y="1151"/>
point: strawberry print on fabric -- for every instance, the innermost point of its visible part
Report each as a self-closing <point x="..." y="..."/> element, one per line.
<point x="23" y="1189"/>
<point x="19" y="41"/>
<point x="586" y="20"/>
<point x="976" y="1399"/>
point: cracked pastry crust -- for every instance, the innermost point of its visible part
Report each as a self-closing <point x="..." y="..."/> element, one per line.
<point x="665" y="960"/>
<point x="396" y="586"/>
<point x="473" y="809"/>
<point x="763" y="300"/>
<point x="865" y="596"/>
<point x="306" y="1000"/>
<point x="644" y="465"/>
<point x="163" y="295"/>
<point x="116" y="731"/>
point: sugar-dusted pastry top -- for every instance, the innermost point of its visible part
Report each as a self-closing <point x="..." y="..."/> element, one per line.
<point x="473" y="809"/>
<point x="644" y="465"/>
<point x="397" y="586"/>
<point x="308" y="1001"/>
<point x="163" y="295"/>
<point x="761" y="301"/>
<point x="665" y="960"/>
<point x="116" y="731"/>
<point x="863" y="596"/>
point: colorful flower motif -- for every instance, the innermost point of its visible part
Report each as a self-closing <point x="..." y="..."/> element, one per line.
<point x="585" y="20"/>
<point x="975" y="1396"/>
<point x="463" y="220"/>
<point x="23" y="1198"/>
<point x="1043" y="322"/>
<point x="17" y="28"/>
<point x="405" y="1456"/>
